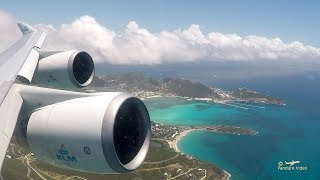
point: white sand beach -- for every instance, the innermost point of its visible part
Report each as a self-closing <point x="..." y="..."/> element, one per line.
<point x="174" y="145"/>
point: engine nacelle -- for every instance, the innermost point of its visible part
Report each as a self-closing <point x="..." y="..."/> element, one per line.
<point x="64" y="69"/>
<point x="109" y="133"/>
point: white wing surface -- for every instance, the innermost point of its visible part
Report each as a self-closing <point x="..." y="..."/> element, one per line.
<point x="19" y="60"/>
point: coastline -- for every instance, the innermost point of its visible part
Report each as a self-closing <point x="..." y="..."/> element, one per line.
<point x="149" y="97"/>
<point x="227" y="175"/>
<point x="217" y="101"/>
<point x="174" y="145"/>
<point x="178" y="135"/>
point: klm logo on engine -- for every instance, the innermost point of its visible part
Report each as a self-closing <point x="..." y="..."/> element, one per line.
<point x="64" y="155"/>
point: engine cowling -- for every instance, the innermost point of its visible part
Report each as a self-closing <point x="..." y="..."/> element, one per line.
<point x="102" y="134"/>
<point x="64" y="69"/>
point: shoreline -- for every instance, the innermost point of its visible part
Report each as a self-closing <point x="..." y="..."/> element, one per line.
<point x="174" y="145"/>
<point x="227" y="174"/>
<point x="211" y="100"/>
<point x="149" y="97"/>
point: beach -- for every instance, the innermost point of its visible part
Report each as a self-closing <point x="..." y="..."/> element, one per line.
<point x="174" y="145"/>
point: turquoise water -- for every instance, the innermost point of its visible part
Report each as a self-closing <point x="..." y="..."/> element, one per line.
<point x="285" y="134"/>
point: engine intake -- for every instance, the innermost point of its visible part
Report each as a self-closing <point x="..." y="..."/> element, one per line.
<point x="82" y="69"/>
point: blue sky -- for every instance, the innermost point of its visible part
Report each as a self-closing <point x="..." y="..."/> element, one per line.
<point x="289" y="20"/>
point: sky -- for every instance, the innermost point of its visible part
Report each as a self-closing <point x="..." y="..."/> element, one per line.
<point x="159" y="32"/>
<point x="287" y="19"/>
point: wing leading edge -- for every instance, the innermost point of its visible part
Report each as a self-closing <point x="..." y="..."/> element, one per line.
<point x="20" y="59"/>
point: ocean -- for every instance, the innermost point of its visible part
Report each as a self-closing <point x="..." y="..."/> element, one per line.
<point x="286" y="133"/>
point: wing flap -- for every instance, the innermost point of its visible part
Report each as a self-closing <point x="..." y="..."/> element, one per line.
<point x="30" y="65"/>
<point x="31" y="62"/>
<point x="41" y="40"/>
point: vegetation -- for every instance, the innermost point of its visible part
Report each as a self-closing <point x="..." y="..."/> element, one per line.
<point x="186" y="88"/>
<point x="249" y="95"/>
<point x="136" y="81"/>
<point x="137" y="84"/>
<point x="161" y="163"/>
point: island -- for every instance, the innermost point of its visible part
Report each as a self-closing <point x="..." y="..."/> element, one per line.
<point x="172" y="134"/>
<point x="141" y="86"/>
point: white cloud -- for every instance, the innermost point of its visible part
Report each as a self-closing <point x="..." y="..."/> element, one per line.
<point x="9" y="32"/>
<point x="136" y="45"/>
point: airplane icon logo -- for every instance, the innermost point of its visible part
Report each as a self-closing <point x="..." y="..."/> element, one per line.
<point x="292" y="163"/>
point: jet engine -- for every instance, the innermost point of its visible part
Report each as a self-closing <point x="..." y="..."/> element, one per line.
<point x="105" y="132"/>
<point x="102" y="134"/>
<point x="64" y="69"/>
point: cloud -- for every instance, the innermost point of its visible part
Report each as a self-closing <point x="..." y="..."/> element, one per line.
<point x="9" y="32"/>
<point x="137" y="45"/>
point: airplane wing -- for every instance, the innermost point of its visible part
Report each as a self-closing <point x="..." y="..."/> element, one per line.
<point x="20" y="60"/>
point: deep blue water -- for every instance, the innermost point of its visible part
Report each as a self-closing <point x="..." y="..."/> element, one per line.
<point x="285" y="133"/>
